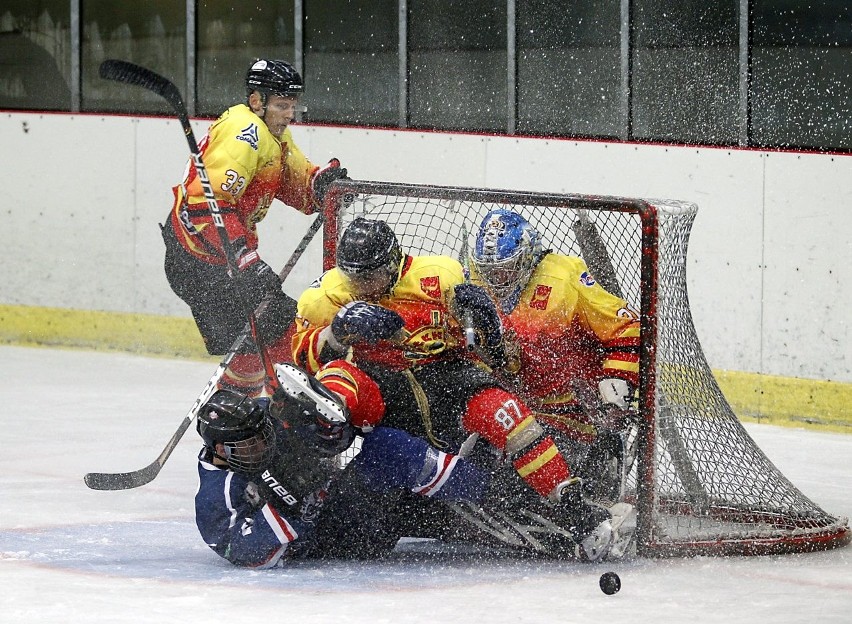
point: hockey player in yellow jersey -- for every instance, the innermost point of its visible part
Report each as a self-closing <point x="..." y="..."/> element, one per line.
<point x="572" y="348"/>
<point x="382" y="330"/>
<point x="251" y="159"/>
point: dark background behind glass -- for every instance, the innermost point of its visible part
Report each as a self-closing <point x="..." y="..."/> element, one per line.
<point x="568" y="72"/>
<point x="230" y="36"/>
<point x="352" y="61"/>
<point x="457" y="65"/>
<point x="35" y="54"/>
<point x="686" y="70"/>
<point x="685" y="83"/>
<point x="151" y="33"/>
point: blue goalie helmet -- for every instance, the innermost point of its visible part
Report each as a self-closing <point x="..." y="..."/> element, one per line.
<point x="507" y="250"/>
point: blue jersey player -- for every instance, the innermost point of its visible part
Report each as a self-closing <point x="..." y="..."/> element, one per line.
<point x="270" y="490"/>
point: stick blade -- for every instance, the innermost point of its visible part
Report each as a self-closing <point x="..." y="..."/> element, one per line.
<point x="122" y="480"/>
<point x="133" y="74"/>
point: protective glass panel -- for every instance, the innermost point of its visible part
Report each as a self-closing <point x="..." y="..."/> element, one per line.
<point x="457" y="65"/>
<point x="152" y="34"/>
<point x="230" y="36"/>
<point x="35" y="55"/>
<point x="352" y="62"/>
<point x="568" y="60"/>
<point x="801" y="89"/>
<point x="686" y="71"/>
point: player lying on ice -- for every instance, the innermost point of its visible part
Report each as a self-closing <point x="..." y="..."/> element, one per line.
<point x="572" y="348"/>
<point x="270" y="490"/>
<point x="395" y="318"/>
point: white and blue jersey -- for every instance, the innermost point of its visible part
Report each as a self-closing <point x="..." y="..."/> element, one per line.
<point x="237" y="524"/>
<point x="240" y="526"/>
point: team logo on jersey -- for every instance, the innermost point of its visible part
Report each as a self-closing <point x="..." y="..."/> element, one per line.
<point x="540" y="297"/>
<point x="186" y="221"/>
<point x="587" y="279"/>
<point x="431" y="286"/>
<point x="425" y="342"/>
<point x="249" y="135"/>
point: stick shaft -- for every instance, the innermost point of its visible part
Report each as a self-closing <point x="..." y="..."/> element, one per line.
<point x="137" y="478"/>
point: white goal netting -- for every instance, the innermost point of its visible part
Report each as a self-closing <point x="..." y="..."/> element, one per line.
<point x="701" y="484"/>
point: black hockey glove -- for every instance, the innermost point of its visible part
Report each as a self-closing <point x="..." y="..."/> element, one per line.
<point x="324" y="177"/>
<point x="333" y="437"/>
<point x="359" y="321"/>
<point x="472" y="300"/>
<point x="294" y="475"/>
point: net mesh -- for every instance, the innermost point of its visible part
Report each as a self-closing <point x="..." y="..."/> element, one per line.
<point x="711" y="488"/>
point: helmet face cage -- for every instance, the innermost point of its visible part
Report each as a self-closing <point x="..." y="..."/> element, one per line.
<point x="241" y="426"/>
<point x="253" y="453"/>
<point x="506" y="252"/>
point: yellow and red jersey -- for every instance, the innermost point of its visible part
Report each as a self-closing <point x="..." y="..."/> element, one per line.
<point x="567" y="327"/>
<point x="248" y="167"/>
<point x="421" y="296"/>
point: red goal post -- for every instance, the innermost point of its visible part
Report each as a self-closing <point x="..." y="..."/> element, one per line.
<point x="700" y="483"/>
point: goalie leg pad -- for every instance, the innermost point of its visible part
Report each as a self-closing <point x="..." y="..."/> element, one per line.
<point x="624" y="531"/>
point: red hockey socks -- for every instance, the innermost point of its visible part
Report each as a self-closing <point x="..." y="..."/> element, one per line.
<point x="508" y="424"/>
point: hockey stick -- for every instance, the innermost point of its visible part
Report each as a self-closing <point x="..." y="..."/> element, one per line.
<point x="137" y="478"/>
<point x="595" y="253"/>
<point x="469" y="333"/>
<point x="130" y="73"/>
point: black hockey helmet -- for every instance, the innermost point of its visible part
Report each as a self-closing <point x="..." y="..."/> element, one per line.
<point x="242" y="425"/>
<point x="369" y="257"/>
<point x="274" y="77"/>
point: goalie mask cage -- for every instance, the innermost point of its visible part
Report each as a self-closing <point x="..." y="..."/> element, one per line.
<point x="700" y="484"/>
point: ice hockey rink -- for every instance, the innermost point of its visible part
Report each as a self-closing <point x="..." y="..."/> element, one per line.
<point x="70" y="554"/>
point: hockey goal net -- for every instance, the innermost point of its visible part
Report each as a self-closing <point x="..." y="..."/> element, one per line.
<point x="701" y="485"/>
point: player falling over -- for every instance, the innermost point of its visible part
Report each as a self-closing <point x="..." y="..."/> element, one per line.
<point x="572" y="347"/>
<point x="270" y="491"/>
<point x="251" y="159"/>
<point x="396" y="319"/>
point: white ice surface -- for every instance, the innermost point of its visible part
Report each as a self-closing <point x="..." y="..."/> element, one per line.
<point x="70" y="554"/>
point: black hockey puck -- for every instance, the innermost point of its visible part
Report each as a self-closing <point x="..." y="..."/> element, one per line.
<point x="610" y="583"/>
